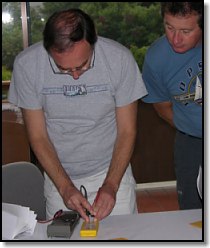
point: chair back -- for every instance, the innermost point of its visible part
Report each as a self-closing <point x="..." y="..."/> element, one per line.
<point x="23" y="184"/>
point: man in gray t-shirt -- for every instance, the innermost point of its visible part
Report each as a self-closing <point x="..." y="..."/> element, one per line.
<point x="78" y="93"/>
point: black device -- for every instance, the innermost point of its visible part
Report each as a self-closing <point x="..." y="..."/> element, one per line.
<point x="63" y="226"/>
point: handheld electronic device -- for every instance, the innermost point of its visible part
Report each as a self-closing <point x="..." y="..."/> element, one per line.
<point x="89" y="229"/>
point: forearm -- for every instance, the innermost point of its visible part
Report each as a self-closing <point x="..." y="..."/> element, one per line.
<point x="47" y="156"/>
<point x="124" y="144"/>
<point x="44" y="149"/>
<point x="165" y="111"/>
<point x="126" y="132"/>
<point x="122" y="152"/>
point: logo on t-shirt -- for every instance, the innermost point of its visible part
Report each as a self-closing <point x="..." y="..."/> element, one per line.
<point x="74" y="90"/>
<point x="194" y="92"/>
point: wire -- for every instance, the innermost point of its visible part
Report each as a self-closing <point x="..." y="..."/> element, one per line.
<point x="59" y="212"/>
<point x="83" y="191"/>
<point x="56" y="215"/>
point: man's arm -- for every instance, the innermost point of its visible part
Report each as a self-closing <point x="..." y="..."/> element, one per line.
<point x="165" y="111"/>
<point x="47" y="156"/>
<point x="126" y="133"/>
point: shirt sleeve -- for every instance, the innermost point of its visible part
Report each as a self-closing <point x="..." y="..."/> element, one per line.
<point x="22" y="91"/>
<point x="130" y="86"/>
<point x="153" y="79"/>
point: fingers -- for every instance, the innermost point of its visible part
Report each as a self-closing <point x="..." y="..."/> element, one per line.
<point x="79" y="207"/>
<point x="103" y="209"/>
<point x="85" y="209"/>
<point x="74" y="200"/>
<point x="102" y="206"/>
<point x="104" y="202"/>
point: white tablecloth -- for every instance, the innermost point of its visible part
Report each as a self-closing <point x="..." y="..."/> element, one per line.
<point x="172" y="225"/>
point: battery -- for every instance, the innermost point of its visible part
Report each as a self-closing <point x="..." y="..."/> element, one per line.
<point x="64" y="225"/>
<point x="89" y="229"/>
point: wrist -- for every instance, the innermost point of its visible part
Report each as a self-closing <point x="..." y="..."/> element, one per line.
<point x="65" y="185"/>
<point x="111" y="185"/>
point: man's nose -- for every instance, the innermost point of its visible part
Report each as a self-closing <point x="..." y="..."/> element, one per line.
<point x="177" y="37"/>
<point x="75" y="75"/>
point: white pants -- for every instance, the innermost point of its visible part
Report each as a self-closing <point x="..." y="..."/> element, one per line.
<point x="125" y="199"/>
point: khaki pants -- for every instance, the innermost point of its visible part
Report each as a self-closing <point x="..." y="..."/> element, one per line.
<point x="125" y="200"/>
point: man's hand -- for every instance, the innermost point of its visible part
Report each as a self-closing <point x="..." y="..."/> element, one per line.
<point x="74" y="200"/>
<point x="104" y="201"/>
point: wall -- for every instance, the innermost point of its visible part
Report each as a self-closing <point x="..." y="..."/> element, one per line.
<point x="152" y="160"/>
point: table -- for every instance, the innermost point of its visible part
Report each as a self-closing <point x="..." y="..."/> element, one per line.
<point x="170" y="226"/>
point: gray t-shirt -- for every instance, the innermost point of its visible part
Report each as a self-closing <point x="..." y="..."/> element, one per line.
<point x="80" y="114"/>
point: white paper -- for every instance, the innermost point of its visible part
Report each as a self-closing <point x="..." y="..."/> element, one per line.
<point x="8" y="222"/>
<point x="17" y="220"/>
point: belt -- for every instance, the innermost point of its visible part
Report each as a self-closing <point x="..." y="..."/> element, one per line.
<point x="189" y="135"/>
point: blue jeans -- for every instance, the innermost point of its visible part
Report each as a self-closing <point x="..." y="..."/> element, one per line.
<point x="187" y="158"/>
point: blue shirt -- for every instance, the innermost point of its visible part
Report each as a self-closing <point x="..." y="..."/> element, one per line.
<point x="176" y="77"/>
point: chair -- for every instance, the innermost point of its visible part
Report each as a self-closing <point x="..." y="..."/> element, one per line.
<point x="23" y="184"/>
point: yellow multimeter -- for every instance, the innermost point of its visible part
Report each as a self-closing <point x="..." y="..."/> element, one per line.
<point x="89" y="229"/>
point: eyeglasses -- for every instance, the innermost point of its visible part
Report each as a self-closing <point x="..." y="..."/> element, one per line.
<point x="81" y="69"/>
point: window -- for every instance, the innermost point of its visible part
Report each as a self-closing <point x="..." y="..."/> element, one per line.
<point x="129" y="23"/>
<point x="11" y="40"/>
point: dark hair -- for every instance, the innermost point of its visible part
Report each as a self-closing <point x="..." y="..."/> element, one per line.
<point x="183" y="8"/>
<point x="66" y="27"/>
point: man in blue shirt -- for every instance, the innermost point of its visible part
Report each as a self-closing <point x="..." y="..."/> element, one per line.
<point x="172" y="72"/>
